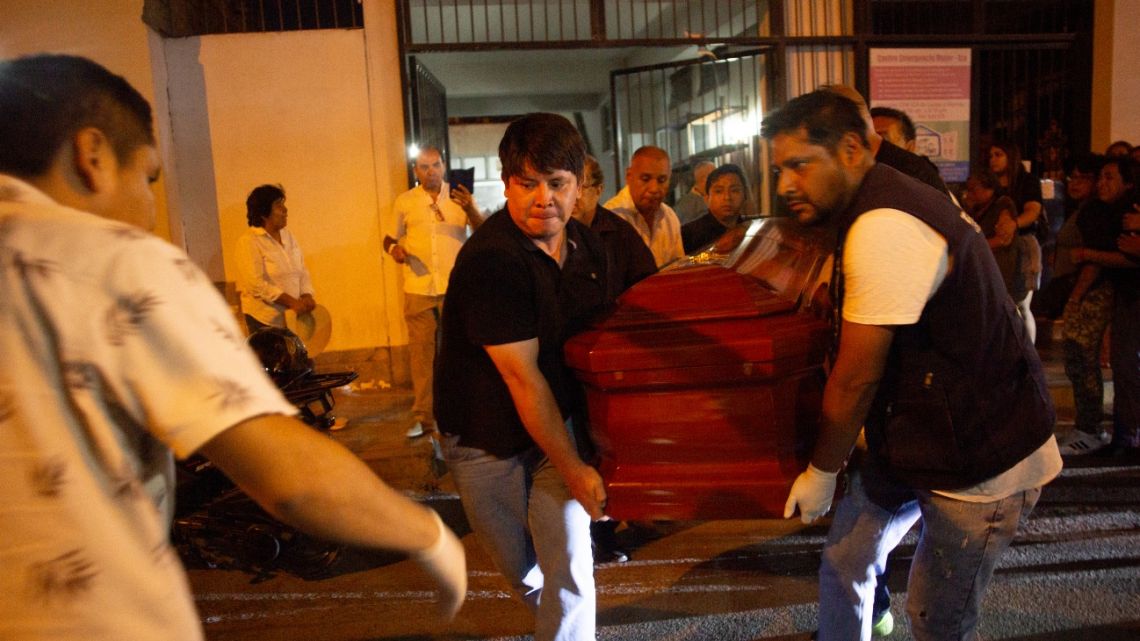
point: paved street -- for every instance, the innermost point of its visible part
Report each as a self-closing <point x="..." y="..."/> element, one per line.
<point x="1073" y="573"/>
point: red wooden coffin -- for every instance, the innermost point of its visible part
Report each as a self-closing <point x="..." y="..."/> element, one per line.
<point x="704" y="385"/>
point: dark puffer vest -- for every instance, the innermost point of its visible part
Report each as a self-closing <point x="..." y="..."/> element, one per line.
<point x="963" y="397"/>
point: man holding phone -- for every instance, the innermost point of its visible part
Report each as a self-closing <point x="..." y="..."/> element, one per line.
<point x="431" y="222"/>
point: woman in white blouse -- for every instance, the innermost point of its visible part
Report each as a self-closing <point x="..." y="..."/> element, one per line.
<point x="271" y="271"/>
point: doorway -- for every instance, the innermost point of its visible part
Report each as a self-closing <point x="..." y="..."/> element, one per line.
<point x="485" y="90"/>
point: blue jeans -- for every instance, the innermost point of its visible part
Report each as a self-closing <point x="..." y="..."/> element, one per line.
<point x="958" y="547"/>
<point x="537" y="535"/>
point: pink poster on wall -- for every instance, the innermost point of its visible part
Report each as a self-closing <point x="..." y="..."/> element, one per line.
<point x="933" y="87"/>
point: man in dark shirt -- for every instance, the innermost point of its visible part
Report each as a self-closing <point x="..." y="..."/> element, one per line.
<point x="920" y="168"/>
<point x="887" y="153"/>
<point x="628" y="260"/>
<point x="527" y="279"/>
<point x="727" y="191"/>
<point x="936" y="365"/>
<point x="896" y="126"/>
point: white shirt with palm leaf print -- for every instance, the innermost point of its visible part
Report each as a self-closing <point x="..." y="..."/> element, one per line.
<point x="116" y="351"/>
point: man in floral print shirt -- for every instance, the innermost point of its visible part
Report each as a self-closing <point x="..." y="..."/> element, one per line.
<point x="116" y="353"/>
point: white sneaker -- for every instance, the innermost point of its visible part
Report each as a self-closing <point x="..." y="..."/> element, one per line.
<point x="415" y="431"/>
<point x="1085" y="443"/>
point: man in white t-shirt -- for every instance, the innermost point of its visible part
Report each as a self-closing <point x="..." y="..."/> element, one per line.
<point x="932" y="361"/>
<point x="118" y="353"/>
<point x="641" y="203"/>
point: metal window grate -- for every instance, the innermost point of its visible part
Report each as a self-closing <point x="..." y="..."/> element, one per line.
<point x="1026" y="97"/>
<point x="1038" y="16"/>
<point x="182" y="18"/>
<point x="441" y="23"/>
<point x="696" y="110"/>
<point x="683" y="19"/>
<point x="894" y="17"/>
<point x="472" y="22"/>
<point x="1007" y="17"/>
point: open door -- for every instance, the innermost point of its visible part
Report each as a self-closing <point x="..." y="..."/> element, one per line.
<point x="704" y="109"/>
<point x="427" y="112"/>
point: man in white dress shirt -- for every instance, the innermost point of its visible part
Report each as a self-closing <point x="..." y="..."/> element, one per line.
<point x="431" y="225"/>
<point x="642" y="204"/>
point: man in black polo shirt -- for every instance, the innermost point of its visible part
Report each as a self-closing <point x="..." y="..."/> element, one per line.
<point x="525" y="281"/>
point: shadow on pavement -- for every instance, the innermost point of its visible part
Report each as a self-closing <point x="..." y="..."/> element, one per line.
<point x="1120" y="631"/>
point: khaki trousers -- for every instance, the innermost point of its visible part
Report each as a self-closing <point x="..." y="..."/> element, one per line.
<point x="422" y="315"/>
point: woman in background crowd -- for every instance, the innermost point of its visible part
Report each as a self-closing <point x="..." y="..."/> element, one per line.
<point x="1025" y="190"/>
<point x="1118" y="149"/>
<point x="1105" y="279"/>
<point x="995" y="214"/>
<point x="271" y="270"/>
<point x="1080" y="188"/>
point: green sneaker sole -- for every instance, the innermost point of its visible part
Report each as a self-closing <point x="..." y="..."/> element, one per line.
<point x="884" y="626"/>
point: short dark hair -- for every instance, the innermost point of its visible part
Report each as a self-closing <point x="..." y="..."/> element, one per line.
<point x="259" y="203"/>
<point x="45" y="99"/>
<point x="1087" y="163"/>
<point x="544" y="141"/>
<point x="984" y="177"/>
<point x="1119" y="144"/>
<point x="825" y="115"/>
<point x="723" y="170"/>
<point x="905" y="123"/>
<point x="1129" y="170"/>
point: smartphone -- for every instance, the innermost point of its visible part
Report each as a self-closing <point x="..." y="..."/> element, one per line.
<point x="465" y="177"/>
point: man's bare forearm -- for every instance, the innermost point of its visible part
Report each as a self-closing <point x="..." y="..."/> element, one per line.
<point x="850" y="389"/>
<point x="313" y="483"/>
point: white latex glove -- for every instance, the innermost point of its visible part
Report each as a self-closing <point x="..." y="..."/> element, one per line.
<point x="446" y="563"/>
<point x="812" y="493"/>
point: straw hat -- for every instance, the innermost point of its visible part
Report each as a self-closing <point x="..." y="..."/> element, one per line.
<point x="314" y="328"/>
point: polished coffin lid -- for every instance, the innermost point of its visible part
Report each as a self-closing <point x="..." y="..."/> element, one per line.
<point x="695" y="327"/>
<point x="704" y="384"/>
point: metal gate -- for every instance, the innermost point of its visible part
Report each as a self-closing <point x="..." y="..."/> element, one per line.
<point x="706" y="109"/>
<point x="427" y="111"/>
<point x="1032" y="62"/>
<point x="1029" y="99"/>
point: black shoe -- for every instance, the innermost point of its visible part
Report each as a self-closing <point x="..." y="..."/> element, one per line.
<point x="610" y="556"/>
<point x="606" y="546"/>
<point x="1118" y="454"/>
